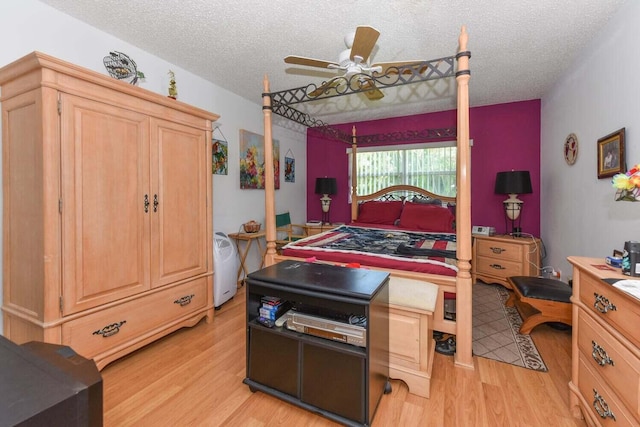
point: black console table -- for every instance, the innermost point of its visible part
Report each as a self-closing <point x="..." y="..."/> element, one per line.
<point x="343" y="382"/>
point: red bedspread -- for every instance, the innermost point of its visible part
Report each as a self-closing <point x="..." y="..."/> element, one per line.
<point x="378" y="247"/>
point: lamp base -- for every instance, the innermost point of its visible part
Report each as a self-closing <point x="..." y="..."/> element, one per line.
<point x="516" y="232"/>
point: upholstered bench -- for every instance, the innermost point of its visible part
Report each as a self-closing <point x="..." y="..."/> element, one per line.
<point x="411" y="344"/>
<point x="540" y="300"/>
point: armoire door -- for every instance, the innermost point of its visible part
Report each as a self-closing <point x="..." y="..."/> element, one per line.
<point x="179" y="171"/>
<point x="105" y="204"/>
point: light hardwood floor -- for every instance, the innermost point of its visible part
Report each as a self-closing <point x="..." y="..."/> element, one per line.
<point x="193" y="377"/>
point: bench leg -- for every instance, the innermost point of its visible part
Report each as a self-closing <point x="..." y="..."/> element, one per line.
<point x="543" y="312"/>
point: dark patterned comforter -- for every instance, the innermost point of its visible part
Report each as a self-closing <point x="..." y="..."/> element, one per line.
<point x="437" y="249"/>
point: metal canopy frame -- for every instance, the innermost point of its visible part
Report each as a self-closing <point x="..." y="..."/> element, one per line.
<point x="282" y="101"/>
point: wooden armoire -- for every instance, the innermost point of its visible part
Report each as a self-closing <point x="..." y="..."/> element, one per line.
<point x="107" y="210"/>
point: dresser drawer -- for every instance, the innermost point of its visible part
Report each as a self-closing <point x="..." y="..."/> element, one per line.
<point x="602" y="403"/>
<point x="612" y="360"/>
<point x="97" y="332"/>
<point x="500" y="249"/>
<point x="620" y="311"/>
<point x="498" y="267"/>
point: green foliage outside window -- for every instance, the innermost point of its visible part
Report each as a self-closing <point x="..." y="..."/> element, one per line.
<point x="433" y="169"/>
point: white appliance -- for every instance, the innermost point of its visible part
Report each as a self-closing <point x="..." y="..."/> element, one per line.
<point x="225" y="269"/>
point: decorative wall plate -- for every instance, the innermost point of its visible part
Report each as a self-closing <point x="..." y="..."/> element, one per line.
<point x="571" y="149"/>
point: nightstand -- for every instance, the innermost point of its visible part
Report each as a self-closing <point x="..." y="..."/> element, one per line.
<point x="497" y="257"/>
<point x="311" y="230"/>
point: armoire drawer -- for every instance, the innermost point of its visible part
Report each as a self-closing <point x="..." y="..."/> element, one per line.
<point x="97" y="332"/>
<point x="611" y="359"/>
<point x="621" y="312"/>
<point x="500" y="249"/>
<point x="602" y="403"/>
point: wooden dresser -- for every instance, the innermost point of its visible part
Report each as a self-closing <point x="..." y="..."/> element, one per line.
<point x="605" y="375"/>
<point x="497" y="257"/>
<point x="107" y="210"/>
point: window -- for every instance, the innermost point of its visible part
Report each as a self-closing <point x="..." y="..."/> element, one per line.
<point x="429" y="166"/>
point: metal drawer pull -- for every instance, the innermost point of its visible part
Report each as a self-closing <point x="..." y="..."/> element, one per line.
<point x="602" y="304"/>
<point x="497" y="266"/>
<point x="146" y="203"/>
<point x="601" y="407"/>
<point x="155" y="203"/>
<point x="497" y="250"/>
<point x="185" y="300"/>
<point x="109" y="330"/>
<point x="600" y="355"/>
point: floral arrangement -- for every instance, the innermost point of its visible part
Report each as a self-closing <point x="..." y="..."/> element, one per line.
<point x="628" y="185"/>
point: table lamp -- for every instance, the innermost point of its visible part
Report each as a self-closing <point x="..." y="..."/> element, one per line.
<point x="513" y="183"/>
<point x="326" y="187"/>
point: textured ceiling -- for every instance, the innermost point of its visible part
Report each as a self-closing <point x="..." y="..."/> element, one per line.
<point x="519" y="48"/>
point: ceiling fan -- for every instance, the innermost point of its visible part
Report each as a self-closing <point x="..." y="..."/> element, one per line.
<point x="353" y="61"/>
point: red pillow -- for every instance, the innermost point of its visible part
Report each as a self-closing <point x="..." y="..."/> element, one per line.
<point x="418" y="216"/>
<point x="377" y="212"/>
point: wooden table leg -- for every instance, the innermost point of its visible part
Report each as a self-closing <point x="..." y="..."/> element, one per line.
<point x="242" y="271"/>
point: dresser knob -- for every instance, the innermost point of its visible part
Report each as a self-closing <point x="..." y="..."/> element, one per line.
<point x="601" y="407"/>
<point x="497" y="266"/>
<point x="600" y="355"/>
<point x="602" y="304"/>
<point x="496" y="250"/>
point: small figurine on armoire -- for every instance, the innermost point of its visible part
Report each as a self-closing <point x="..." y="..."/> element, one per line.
<point x="173" y="91"/>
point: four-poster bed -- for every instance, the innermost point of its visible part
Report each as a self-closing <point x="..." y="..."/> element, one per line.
<point x="459" y="283"/>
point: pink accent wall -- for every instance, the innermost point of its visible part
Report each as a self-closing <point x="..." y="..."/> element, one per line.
<point x="505" y="137"/>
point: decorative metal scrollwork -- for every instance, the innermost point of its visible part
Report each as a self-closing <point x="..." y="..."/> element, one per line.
<point x="496" y="250"/>
<point x="600" y="355"/>
<point x="146" y="203"/>
<point x="601" y="406"/>
<point x="155" y="203"/>
<point x="497" y="266"/>
<point x="185" y="300"/>
<point x="602" y="304"/>
<point x="110" y="330"/>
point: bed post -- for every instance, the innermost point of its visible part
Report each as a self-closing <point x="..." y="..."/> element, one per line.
<point x="269" y="179"/>
<point x="464" y="355"/>
<point x="354" y="176"/>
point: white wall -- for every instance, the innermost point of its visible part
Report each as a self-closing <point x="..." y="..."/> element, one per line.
<point x="29" y="25"/>
<point x="598" y="95"/>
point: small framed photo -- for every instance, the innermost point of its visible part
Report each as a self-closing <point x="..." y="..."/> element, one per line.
<point x="611" y="154"/>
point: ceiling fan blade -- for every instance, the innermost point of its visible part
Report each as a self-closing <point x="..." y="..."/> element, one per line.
<point x="309" y="62"/>
<point x="364" y="42"/>
<point x="370" y="89"/>
<point x="324" y="87"/>
<point x="395" y="64"/>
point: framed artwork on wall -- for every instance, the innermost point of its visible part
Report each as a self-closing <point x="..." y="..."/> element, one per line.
<point x="219" y="153"/>
<point x="289" y="167"/>
<point x="252" y="161"/>
<point x="611" y="154"/>
<point x="220" y="157"/>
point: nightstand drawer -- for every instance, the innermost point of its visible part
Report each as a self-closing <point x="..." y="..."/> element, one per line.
<point x="500" y="249"/>
<point x="498" y="267"/>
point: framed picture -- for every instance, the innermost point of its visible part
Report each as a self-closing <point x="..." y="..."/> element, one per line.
<point x="289" y="167"/>
<point x="252" y="161"/>
<point x="611" y="154"/>
<point x="220" y="157"/>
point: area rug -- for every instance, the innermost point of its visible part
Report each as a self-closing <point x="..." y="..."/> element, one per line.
<point x="495" y="330"/>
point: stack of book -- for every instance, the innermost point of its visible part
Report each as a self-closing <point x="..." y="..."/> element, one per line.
<point x="272" y="307"/>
